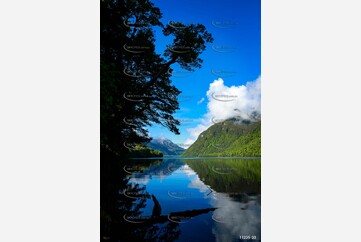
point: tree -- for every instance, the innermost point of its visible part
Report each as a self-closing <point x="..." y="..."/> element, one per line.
<point x="135" y="86"/>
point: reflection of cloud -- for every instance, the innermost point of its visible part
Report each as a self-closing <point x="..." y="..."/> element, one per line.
<point x="141" y="180"/>
<point x="161" y="175"/>
<point x="239" y="219"/>
<point x="198" y="184"/>
<point x="187" y="170"/>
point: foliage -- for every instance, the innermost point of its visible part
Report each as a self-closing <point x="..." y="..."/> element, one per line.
<point x="135" y="88"/>
<point x="144" y="152"/>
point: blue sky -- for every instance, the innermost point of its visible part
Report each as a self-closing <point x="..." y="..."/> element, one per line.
<point x="233" y="23"/>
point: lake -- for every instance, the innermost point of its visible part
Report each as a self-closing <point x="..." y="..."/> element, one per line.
<point x="182" y="199"/>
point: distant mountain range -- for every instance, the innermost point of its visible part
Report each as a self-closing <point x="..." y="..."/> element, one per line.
<point x="232" y="137"/>
<point x="165" y="146"/>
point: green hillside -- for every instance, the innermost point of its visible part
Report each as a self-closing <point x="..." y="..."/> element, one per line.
<point x="228" y="138"/>
<point x="140" y="151"/>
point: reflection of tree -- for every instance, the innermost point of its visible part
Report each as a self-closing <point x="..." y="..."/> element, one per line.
<point x="114" y="206"/>
<point x="157" y="209"/>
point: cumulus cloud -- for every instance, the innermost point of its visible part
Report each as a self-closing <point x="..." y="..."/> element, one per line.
<point x="242" y="102"/>
<point x="236" y="101"/>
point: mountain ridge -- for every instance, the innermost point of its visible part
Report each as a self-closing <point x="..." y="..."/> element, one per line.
<point x="231" y="137"/>
<point x="166" y="146"/>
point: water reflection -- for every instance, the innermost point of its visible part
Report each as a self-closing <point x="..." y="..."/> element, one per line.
<point x="122" y="218"/>
<point x="235" y="185"/>
<point x="176" y="199"/>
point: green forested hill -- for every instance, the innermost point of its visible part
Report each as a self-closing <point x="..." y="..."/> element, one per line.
<point x="140" y="151"/>
<point x="228" y="138"/>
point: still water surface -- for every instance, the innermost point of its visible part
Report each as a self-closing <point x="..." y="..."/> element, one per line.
<point x="185" y="199"/>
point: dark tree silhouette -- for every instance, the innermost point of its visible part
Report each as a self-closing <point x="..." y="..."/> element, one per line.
<point x="136" y="89"/>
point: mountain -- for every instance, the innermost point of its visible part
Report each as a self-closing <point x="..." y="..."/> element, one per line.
<point x="165" y="146"/>
<point x="228" y="138"/>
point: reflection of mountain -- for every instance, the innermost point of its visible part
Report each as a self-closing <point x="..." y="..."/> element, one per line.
<point x="228" y="138"/>
<point x="235" y="188"/>
<point x="229" y="175"/>
<point x="165" y="146"/>
<point x="145" y="171"/>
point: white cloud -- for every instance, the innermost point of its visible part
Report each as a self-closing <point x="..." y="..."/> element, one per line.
<point x="235" y="101"/>
<point x="226" y="102"/>
<point x="195" y="132"/>
<point x="187" y="143"/>
<point x="200" y="101"/>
